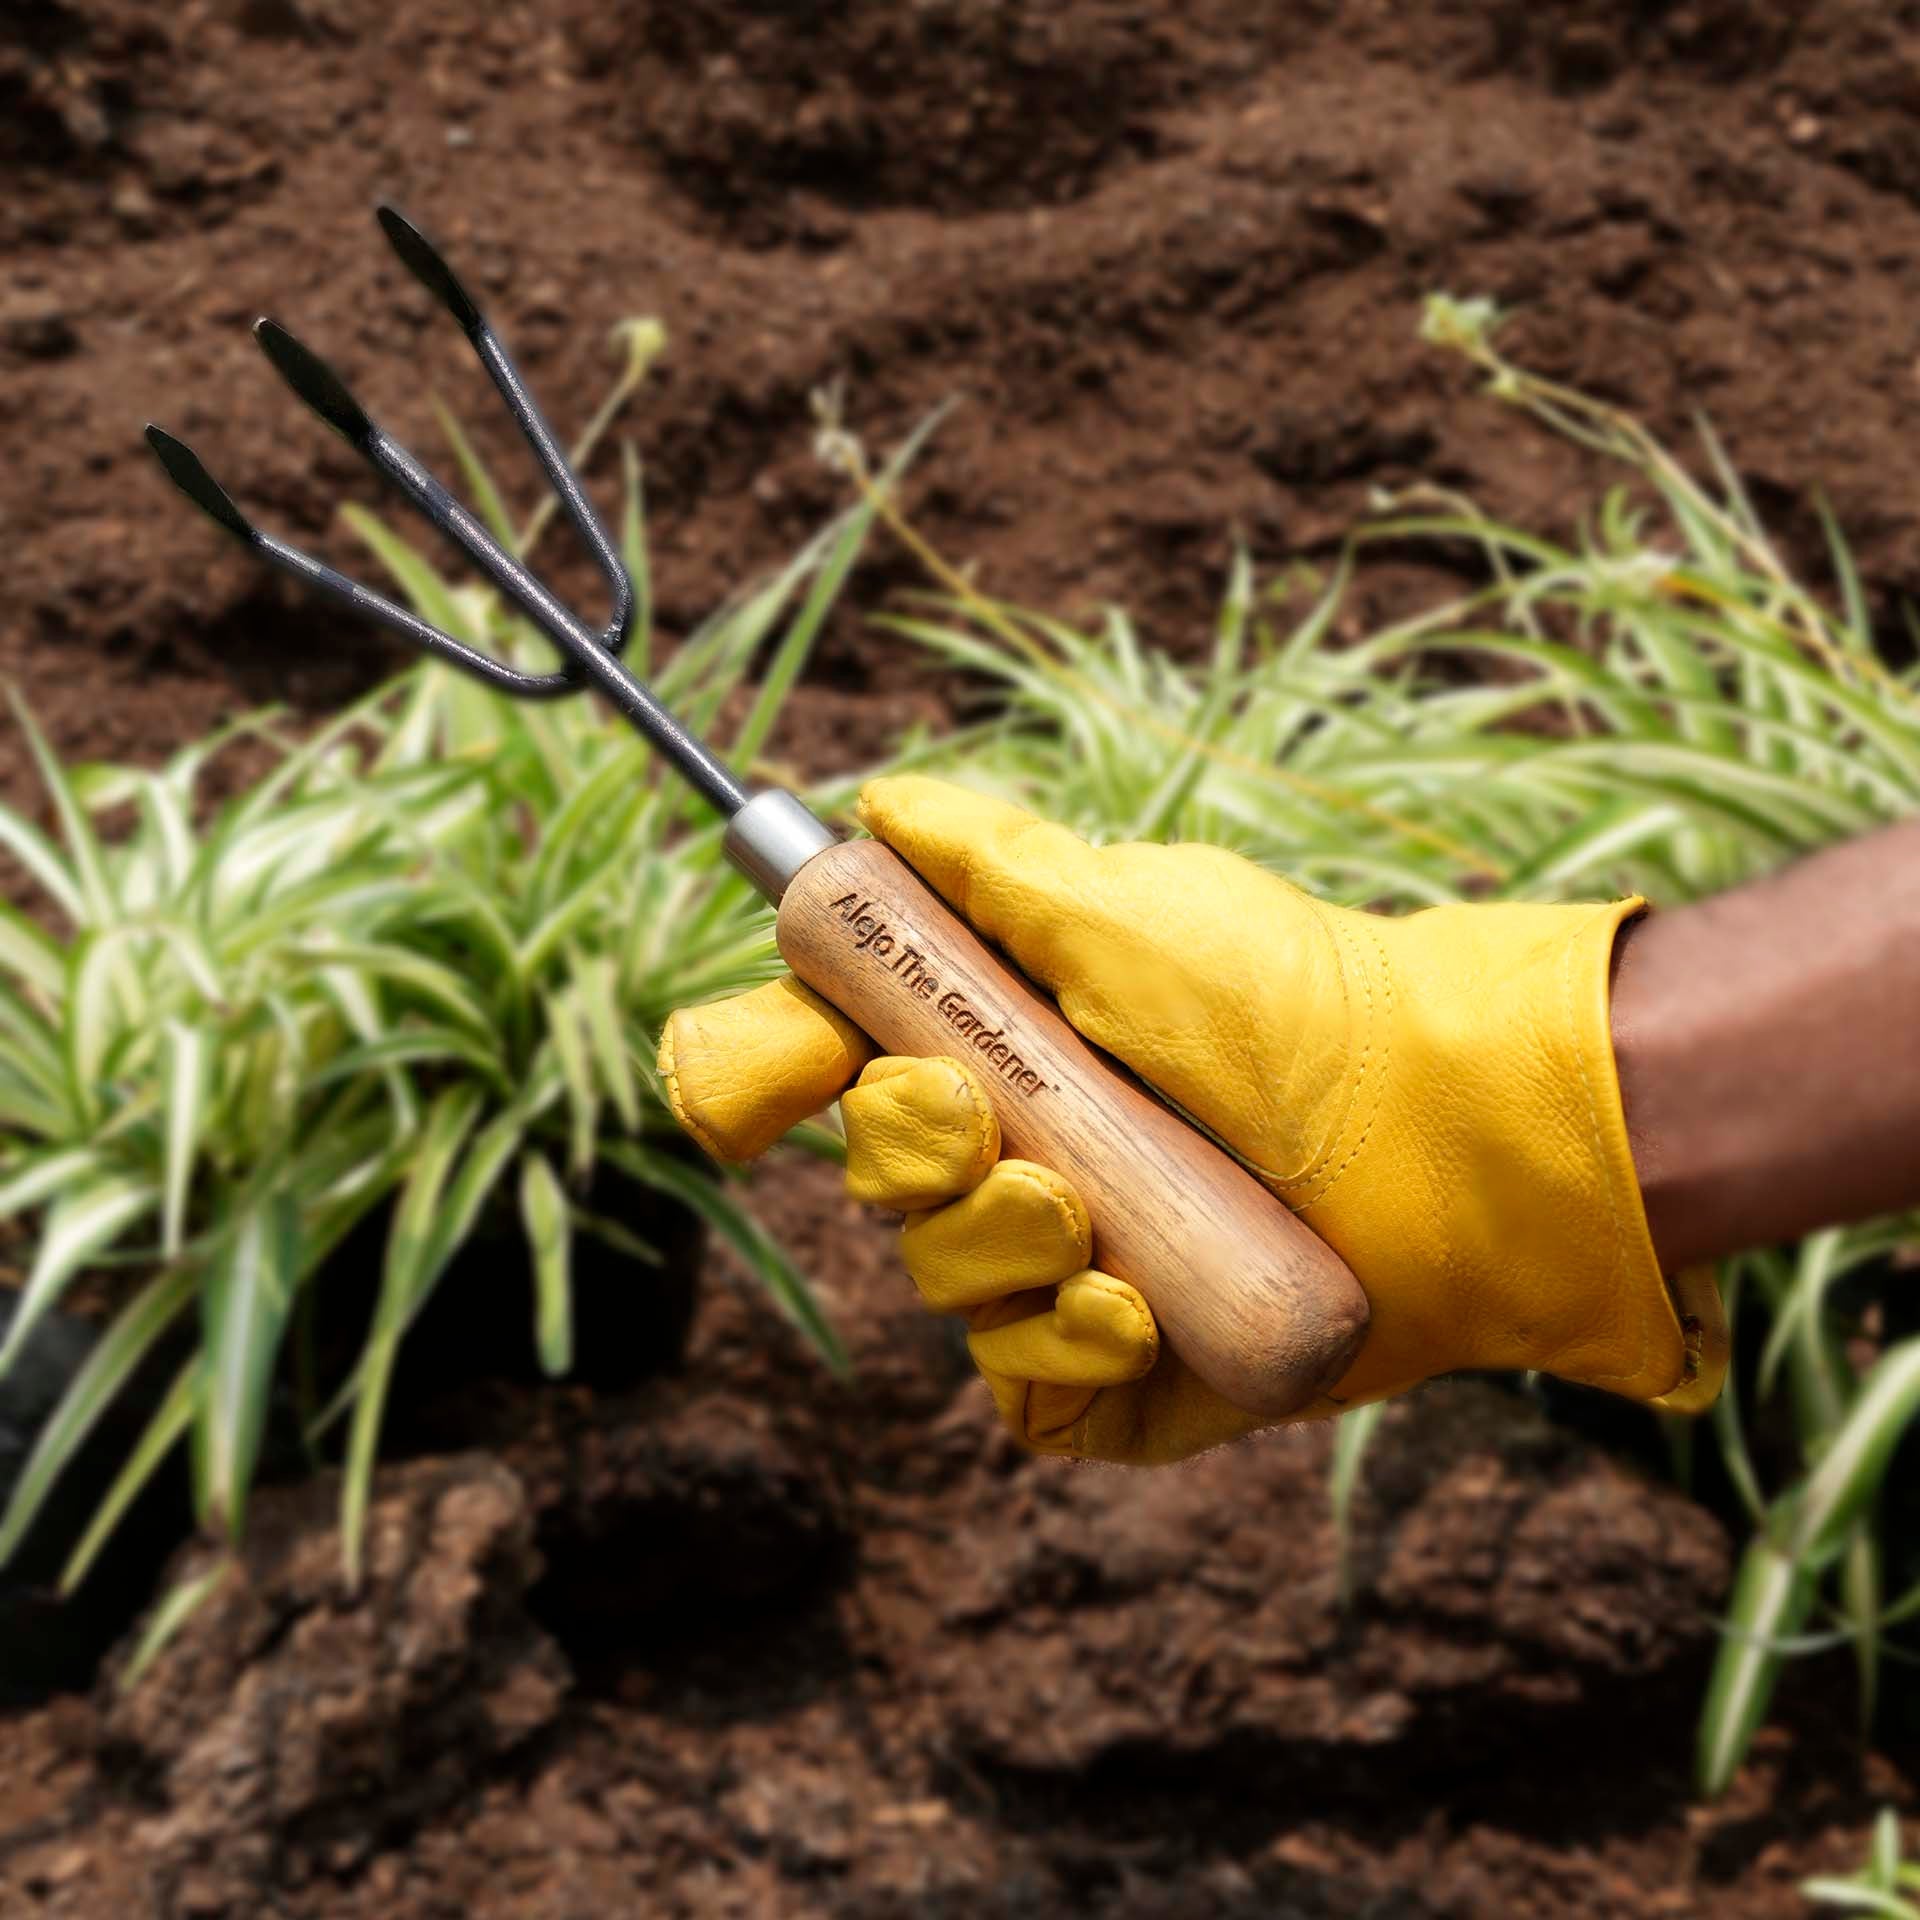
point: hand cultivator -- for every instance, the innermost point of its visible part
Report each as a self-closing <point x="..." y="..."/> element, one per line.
<point x="1261" y="1309"/>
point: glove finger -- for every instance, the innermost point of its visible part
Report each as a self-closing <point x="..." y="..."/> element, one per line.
<point x="1096" y="1332"/>
<point x="740" y="1073"/>
<point x="1039" y="1415"/>
<point x="919" y="1132"/>
<point x="1023" y="1226"/>
<point x="1170" y="1415"/>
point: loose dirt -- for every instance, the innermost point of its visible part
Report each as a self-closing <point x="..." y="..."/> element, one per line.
<point x="739" y="1643"/>
<point x="745" y="1643"/>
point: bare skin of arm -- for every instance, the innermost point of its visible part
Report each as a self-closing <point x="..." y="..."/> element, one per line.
<point x="1768" y="1043"/>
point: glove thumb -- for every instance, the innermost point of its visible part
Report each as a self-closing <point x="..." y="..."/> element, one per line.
<point x="741" y="1073"/>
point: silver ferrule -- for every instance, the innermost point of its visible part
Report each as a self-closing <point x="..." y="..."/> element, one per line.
<point x="772" y="837"/>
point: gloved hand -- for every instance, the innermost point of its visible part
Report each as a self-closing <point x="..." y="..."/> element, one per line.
<point x="1435" y="1095"/>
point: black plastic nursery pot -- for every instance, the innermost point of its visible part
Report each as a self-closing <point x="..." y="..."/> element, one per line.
<point x="630" y="1316"/>
<point x="51" y="1645"/>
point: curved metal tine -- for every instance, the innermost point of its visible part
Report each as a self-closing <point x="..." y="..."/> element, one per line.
<point x="427" y="265"/>
<point x="326" y="393"/>
<point x="185" y="470"/>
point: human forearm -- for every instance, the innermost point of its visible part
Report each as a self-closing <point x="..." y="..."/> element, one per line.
<point x="1768" y="1043"/>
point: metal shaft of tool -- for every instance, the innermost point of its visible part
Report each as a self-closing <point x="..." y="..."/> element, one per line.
<point x="770" y="835"/>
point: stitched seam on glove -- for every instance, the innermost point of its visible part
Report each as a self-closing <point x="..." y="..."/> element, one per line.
<point x="1036" y="1177"/>
<point x="1383" y="1018"/>
<point x="1113" y="1289"/>
<point x="1695" y="1298"/>
<point x="988" y="1150"/>
<point x="1337" y="1132"/>
<point x="670" y="1075"/>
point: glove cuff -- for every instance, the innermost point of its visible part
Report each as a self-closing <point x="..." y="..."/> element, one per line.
<point x="1520" y="1239"/>
<point x="1657" y="1306"/>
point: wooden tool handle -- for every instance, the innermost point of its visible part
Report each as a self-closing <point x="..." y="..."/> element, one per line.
<point x="1265" y="1313"/>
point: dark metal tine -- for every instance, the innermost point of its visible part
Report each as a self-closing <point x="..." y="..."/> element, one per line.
<point x="187" y="472"/>
<point x="708" y="776"/>
<point x="424" y="261"/>
<point x="594" y="655"/>
<point x="327" y="394"/>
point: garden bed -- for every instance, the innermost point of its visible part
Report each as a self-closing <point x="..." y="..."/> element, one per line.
<point x="744" y="1641"/>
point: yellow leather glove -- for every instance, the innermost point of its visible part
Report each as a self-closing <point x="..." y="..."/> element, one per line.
<point x="1435" y="1095"/>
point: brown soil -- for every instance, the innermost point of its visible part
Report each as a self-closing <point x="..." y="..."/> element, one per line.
<point x="1171" y="256"/>
<point x="738" y="1643"/>
<point x="746" y="1644"/>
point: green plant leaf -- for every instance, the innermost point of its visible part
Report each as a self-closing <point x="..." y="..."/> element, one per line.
<point x="761" y="1256"/>
<point x="45" y="1175"/>
<point x="412" y="1046"/>
<point x="244" y="1305"/>
<point x="1855" y="1459"/>
<point x="596" y="993"/>
<point x="1862" y="1598"/>
<point x="166" y="817"/>
<point x="174" y="1611"/>
<point x="1772" y="1595"/>
<point x="1352" y="1436"/>
<point x="185" y="1075"/>
<point x="411" y="1247"/>
<point x="596" y="810"/>
<point x="94" y="895"/>
<point x="171" y="1419"/>
<point x="549" y="1227"/>
<point x="29" y="953"/>
<point x="78" y="1225"/>
<point x="422" y="587"/>
<point x="797" y="643"/>
<point x="635" y="558"/>
<point x="481" y="1172"/>
<point x="572" y="1050"/>
<point x="480" y="482"/>
<point x="438" y="984"/>
<point x="104" y="1001"/>
<point x="1851" y="1897"/>
<point x="1594" y="846"/>
<point x="42" y="861"/>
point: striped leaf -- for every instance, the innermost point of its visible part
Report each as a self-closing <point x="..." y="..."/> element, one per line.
<point x="549" y="1228"/>
<point x="90" y="890"/>
<point x="760" y="1254"/>
<point x="411" y="1247"/>
<point x="82" y="1223"/>
<point x="186" y="1062"/>
<point x="45" y="1176"/>
<point x="179" y="1606"/>
<point x="244" y="1306"/>
<point x="29" y="953"/>
<point x="567" y="1033"/>
<point x="596" y="996"/>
